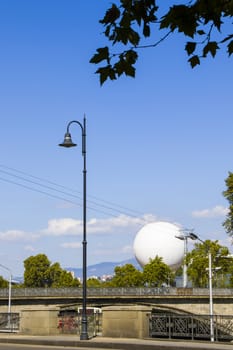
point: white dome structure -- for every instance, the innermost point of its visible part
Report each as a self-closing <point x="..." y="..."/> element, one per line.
<point x="158" y="238"/>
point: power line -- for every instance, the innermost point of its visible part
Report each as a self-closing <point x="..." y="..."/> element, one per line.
<point x="113" y="206"/>
<point x="21" y="178"/>
<point x="52" y="195"/>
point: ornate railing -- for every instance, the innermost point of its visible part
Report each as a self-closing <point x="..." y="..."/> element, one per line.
<point x="72" y="292"/>
<point x="69" y="322"/>
<point x="9" y="322"/>
<point x="190" y="326"/>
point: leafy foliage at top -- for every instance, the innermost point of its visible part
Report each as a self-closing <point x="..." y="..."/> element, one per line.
<point x="228" y="194"/>
<point x="126" y="276"/>
<point x="155" y="274"/>
<point x="3" y="283"/>
<point x="198" y="263"/>
<point x="129" y="22"/>
<point x="39" y="272"/>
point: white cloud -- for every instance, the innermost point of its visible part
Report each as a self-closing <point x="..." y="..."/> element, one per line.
<point x="128" y="249"/>
<point x="58" y="227"/>
<point x="72" y="245"/>
<point x="120" y="222"/>
<point x="217" y="211"/>
<point x="68" y="226"/>
<point x="29" y="248"/>
<point x="17" y="235"/>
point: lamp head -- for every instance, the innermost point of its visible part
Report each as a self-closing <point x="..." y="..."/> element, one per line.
<point x="182" y="238"/>
<point x="193" y="236"/>
<point x="67" y="141"/>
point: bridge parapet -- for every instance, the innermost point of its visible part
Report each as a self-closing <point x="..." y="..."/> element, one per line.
<point x="57" y="292"/>
<point x="95" y="292"/>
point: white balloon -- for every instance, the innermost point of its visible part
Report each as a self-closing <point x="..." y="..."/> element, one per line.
<point x="158" y="238"/>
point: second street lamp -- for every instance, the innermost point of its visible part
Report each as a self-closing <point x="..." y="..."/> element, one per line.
<point x="69" y="143"/>
<point x="195" y="237"/>
<point x="184" y="237"/>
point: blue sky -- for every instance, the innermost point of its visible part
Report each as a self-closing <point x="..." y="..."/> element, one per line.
<point x="158" y="147"/>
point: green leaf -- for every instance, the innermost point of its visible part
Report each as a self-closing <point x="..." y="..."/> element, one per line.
<point x="146" y="30"/>
<point x="211" y="48"/>
<point x="131" y="56"/>
<point x="130" y="71"/>
<point x="182" y="18"/>
<point x="126" y="35"/>
<point x="126" y="20"/>
<point x="230" y="47"/>
<point x="194" y="61"/>
<point x="190" y="47"/>
<point x="124" y="66"/>
<point x="111" y="15"/>
<point x="133" y="37"/>
<point x="101" y="55"/>
<point x="105" y="73"/>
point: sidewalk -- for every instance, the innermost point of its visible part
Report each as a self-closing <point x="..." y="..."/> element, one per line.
<point x="113" y="343"/>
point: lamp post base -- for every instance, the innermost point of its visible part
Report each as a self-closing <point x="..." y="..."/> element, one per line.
<point x="84" y="334"/>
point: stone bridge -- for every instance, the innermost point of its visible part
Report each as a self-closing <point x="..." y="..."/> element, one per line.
<point x="182" y="300"/>
<point x="126" y="312"/>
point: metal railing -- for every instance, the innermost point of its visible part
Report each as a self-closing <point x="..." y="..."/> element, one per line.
<point x="145" y="291"/>
<point x="190" y="326"/>
<point x="9" y="322"/>
<point x="69" y="322"/>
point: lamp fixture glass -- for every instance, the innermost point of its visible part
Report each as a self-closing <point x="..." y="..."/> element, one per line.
<point x="67" y="141"/>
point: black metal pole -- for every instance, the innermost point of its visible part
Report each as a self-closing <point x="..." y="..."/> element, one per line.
<point x="84" y="333"/>
<point x="69" y="143"/>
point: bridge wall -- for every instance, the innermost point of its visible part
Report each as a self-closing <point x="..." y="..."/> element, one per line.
<point x="126" y="321"/>
<point x="43" y="321"/>
<point x="125" y="310"/>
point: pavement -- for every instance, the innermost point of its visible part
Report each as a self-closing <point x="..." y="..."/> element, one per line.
<point x="113" y="343"/>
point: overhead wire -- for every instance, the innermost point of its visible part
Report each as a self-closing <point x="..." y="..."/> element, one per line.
<point x="64" y="192"/>
<point x="55" y="196"/>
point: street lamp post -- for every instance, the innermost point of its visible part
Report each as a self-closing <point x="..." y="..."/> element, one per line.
<point x="9" y="293"/>
<point x="184" y="237"/>
<point x="69" y="143"/>
<point x="210" y="271"/>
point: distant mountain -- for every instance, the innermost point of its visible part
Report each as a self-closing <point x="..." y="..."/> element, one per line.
<point x="101" y="269"/>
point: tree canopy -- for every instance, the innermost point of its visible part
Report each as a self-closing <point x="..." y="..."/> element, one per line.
<point x="156" y="273"/>
<point x="94" y="283"/>
<point x="126" y="276"/>
<point x="129" y="24"/>
<point x="198" y="263"/>
<point x="228" y="194"/>
<point x="3" y="283"/>
<point x="39" y="272"/>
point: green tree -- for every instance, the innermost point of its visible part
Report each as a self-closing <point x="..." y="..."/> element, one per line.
<point x="129" y="23"/>
<point x="38" y="272"/>
<point x="94" y="283"/>
<point x="156" y="273"/>
<point x="67" y="280"/>
<point x="3" y="283"/>
<point x="198" y="263"/>
<point x="58" y="277"/>
<point x="126" y="276"/>
<point x="228" y="194"/>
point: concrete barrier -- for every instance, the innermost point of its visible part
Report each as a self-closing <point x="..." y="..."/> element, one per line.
<point x="129" y="321"/>
<point x="39" y="322"/>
